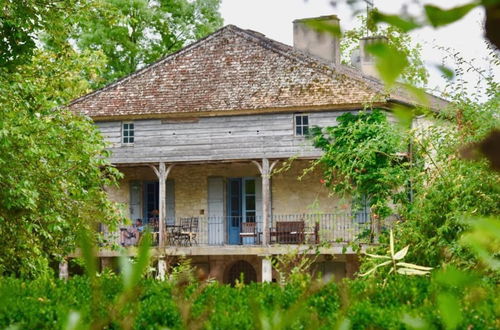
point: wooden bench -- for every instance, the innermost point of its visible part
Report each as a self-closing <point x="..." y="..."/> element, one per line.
<point x="294" y="232"/>
<point x="289" y="232"/>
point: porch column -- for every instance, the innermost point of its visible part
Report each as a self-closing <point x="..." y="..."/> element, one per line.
<point x="266" y="201"/>
<point x="162" y="173"/>
<point x="267" y="270"/>
<point x="162" y="178"/>
<point x="265" y="172"/>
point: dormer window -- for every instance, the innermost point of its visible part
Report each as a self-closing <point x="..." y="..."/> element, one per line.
<point x="128" y="132"/>
<point x="301" y="125"/>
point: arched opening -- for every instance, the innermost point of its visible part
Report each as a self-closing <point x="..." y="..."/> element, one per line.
<point x="241" y="271"/>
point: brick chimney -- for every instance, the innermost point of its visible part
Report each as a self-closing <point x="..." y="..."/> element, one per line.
<point x="317" y="43"/>
<point x="366" y="60"/>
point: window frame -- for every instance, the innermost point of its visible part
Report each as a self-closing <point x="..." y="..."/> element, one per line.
<point x="130" y="138"/>
<point x="296" y="125"/>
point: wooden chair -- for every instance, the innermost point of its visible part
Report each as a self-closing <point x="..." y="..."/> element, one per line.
<point x="248" y="229"/>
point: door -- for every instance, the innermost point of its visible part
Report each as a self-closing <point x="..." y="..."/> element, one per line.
<point x="152" y="201"/>
<point x="215" y="211"/>
<point x="243" y="196"/>
<point x="235" y="210"/>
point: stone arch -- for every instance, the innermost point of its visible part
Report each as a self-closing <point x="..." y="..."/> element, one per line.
<point x="233" y="272"/>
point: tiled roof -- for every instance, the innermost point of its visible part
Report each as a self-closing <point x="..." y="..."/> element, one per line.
<point x="234" y="70"/>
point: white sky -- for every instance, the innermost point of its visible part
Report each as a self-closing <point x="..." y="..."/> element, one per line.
<point x="274" y="19"/>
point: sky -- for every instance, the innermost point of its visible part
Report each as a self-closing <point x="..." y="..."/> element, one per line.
<point x="274" y="19"/>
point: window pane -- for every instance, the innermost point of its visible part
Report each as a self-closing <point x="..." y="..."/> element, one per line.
<point x="305" y="130"/>
<point x="131" y="133"/>
<point x="298" y="120"/>
<point x="250" y="187"/>
<point x="125" y="126"/>
<point x="131" y="140"/>
<point x="298" y="130"/>
<point x="131" y="126"/>
<point x="125" y="133"/>
<point x="305" y="120"/>
<point x="250" y="203"/>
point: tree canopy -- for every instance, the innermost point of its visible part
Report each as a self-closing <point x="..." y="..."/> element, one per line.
<point x="135" y="33"/>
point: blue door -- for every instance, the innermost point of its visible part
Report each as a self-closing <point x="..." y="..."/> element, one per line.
<point x="241" y="206"/>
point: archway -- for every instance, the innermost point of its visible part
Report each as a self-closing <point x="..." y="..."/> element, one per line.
<point x="240" y="270"/>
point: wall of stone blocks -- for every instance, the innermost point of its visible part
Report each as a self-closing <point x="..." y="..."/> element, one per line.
<point x="291" y="191"/>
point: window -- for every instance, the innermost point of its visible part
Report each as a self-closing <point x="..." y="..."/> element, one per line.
<point x="301" y="125"/>
<point x="128" y="133"/>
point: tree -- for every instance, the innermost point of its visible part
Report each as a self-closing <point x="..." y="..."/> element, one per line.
<point x="53" y="163"/>
<point x="135" y="33"/>
<point x="23" y="22"/>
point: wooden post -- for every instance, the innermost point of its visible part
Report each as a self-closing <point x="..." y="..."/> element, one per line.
<point x="266" y="201"/>
<point x="265" y="171"/>
<point x="162" y="174"/>
<point x="162" y="178"/>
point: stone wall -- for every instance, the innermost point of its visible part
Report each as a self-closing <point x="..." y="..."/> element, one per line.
<point x="290" y="195"/>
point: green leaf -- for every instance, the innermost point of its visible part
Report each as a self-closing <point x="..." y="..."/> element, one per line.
<point x="439" y="17"/>
<point x="405" y="25"/>
<point x="389" y="61"/>
<point x="414" y="322"/>
<point x="324" y="26"/>
<point x="447" y="72"/>
<point x="404" y="115"/>
<point x="449" y="309"/>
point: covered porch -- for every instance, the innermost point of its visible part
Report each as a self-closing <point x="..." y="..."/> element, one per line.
<point x="249" y="202"/>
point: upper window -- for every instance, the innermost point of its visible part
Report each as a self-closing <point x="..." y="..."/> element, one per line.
<point x="301" y="125"/>
<point x="127" y="132"/>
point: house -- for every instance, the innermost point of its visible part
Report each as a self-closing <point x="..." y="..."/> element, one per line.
<point x="201" y="137"/>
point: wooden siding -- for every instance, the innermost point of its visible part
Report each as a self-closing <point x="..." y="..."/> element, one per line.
<point x="214" y="138"/>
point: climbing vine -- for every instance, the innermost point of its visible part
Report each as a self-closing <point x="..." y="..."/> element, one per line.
<point x="365" y="156"/>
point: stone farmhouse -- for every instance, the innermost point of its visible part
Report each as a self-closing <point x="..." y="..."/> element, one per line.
<point x="202" y="136"/>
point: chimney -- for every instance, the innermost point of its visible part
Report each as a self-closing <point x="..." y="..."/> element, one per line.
<point x="366" y="60"/>
<point x="321" y="44"/>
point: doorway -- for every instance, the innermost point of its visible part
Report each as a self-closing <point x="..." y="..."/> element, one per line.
<point x="242" y="205"/>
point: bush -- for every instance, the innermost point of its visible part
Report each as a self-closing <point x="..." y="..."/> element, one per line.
<point x="367" y="303"/>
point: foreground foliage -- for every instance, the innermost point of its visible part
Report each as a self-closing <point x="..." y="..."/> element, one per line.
<point x="45" y="304"/>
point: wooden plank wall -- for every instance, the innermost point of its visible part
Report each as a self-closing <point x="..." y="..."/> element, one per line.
<point x="214" y="138"/>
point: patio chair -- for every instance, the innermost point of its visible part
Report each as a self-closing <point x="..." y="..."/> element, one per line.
<point x="248" y="229"/>
<point x="188" y="231"/>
